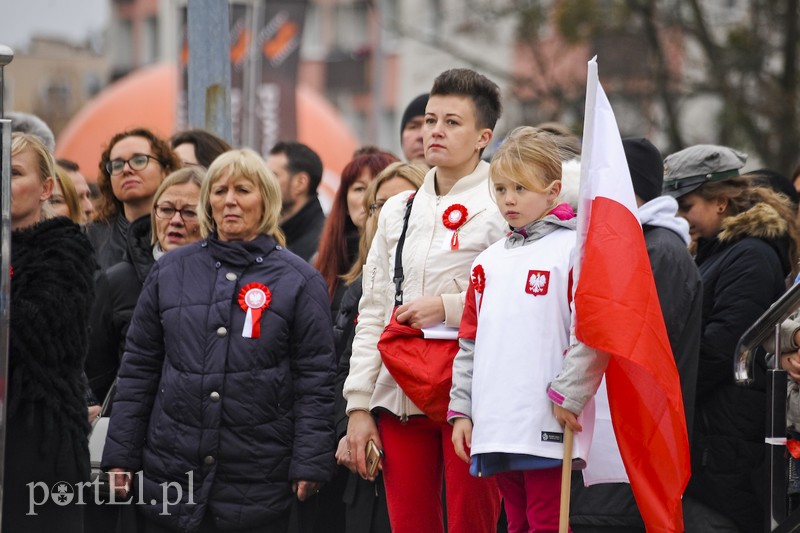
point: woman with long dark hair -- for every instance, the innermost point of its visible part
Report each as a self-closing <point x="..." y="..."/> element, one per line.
<point x="338" y="247"/>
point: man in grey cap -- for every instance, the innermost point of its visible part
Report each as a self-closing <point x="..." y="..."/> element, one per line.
<point x="744" y="250"/>
<point x="688" y="169"/>
<point x="686" y="172"/>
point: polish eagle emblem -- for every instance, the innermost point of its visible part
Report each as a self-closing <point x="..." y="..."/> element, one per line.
<point x="538" y="282"/>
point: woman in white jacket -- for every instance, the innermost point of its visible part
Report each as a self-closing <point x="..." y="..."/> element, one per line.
<point x="460" y="116"/>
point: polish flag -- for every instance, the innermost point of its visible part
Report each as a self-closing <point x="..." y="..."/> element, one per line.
<point x="617" y="311"/>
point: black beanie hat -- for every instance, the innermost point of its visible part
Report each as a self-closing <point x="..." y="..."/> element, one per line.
<point x="415" y="109"/>
<point x="647" y="167"/>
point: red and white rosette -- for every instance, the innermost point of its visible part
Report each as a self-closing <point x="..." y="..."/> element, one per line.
<point x="479" y="278"/>
<point x="253" y="299"/>
<point x="453" y="218"/>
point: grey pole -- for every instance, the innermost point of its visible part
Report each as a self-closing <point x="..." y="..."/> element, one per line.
<point x="6" y="56"/>
<point x="209" y="66"/>
<point x="378" y="60"/>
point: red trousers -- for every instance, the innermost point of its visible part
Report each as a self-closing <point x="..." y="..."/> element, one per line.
<point x="532" y="499"/>
<point x="416" y="453"/>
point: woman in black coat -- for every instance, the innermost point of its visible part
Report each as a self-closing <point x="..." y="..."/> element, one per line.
<point x="365" y="501"/>
<point x="174" y="219"/>
<point x="131" y="168"/>
<point x="46" y="452"/>
<point x="746" y="246"/>
<point x="224" y="406"/>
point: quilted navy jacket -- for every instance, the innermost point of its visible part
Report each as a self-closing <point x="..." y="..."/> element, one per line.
<point x="245" y="416"/>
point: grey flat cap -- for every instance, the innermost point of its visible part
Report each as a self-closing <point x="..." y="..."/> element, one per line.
<point x="688" y="169"/>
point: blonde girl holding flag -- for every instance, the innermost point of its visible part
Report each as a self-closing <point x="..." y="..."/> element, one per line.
<point x="516" y="327"/>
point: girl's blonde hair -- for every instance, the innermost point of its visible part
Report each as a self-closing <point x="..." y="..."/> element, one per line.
<point x="71" y="199"/>
<point x="247" y="164"/>
<point x="191" y="174"/>
<point x="44" y="160"/>
<point x="530" y="157"/>
<point x="411" y="172"/>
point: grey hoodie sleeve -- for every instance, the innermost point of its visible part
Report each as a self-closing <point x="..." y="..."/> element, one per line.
<point x="788" y="329"/>
<point x="461" y="391"/>
<point x="579" y="378"/>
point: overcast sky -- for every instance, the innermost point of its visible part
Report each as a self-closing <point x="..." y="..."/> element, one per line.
<point x="72" y="19"/>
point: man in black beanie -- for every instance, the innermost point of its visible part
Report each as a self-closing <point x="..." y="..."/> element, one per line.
<point x="610" y="507"/>
<point x="411" y="130"/>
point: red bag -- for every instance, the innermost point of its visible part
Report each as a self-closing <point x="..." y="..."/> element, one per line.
<point x="423" y="368"/>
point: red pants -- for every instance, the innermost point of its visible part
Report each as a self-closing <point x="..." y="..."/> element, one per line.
<point x="532" y="499"/>
<point x="412" y="471"/>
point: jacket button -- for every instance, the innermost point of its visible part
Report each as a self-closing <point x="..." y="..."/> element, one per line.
<point x="222" y="331"/>
<point x="214" y="396"/>
<point x="217" y="264"/>
<point x="230" y="276"/>
<point x="209" y="460"/>
<point x="259" y="259"/>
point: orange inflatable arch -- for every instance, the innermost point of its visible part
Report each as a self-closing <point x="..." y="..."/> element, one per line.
<point x="148" y="98"/>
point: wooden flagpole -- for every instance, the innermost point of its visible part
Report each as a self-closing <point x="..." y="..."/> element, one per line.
<point x="566" y="482"/>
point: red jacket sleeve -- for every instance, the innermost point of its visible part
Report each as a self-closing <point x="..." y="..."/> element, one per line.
<point x="469" y="319"/>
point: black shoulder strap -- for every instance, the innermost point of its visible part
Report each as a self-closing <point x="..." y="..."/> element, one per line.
<point x="398" y="255"/>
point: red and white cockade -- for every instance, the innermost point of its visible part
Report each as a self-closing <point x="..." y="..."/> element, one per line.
<point x="253" y="299"/>
<point x="453" y="218"/>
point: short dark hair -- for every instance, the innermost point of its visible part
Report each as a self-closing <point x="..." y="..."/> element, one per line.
<point x="68" y="165"/>
<point x="301" y="158"/>
<point x="207" y="146"/>
<point x="483" y="92"/>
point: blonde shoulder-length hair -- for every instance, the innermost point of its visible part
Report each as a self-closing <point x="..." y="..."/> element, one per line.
<point x="192" y="174"/>
<point x="70" y="194"/>
<point x="44" y="161"/>
<point x="247" y="164"/>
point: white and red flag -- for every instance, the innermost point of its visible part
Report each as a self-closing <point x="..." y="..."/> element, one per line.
<point x="617" y="311"/>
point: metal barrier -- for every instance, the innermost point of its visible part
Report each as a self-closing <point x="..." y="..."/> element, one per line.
<point x="780" y="519"/>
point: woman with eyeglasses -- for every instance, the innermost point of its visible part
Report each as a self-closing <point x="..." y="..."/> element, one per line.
<point x="175" y="223"/>
<point x="131" y="169"/>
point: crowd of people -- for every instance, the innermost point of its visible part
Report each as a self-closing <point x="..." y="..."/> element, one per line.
<point x="239" y="334"/>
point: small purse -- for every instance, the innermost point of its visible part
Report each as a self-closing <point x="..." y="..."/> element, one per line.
<point x="423" y="368"/>
<point x="97" y="441"/>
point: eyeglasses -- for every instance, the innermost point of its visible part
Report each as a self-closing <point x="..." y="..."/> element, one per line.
<point x="188" y="214"/>
<point x="137" y="162"/>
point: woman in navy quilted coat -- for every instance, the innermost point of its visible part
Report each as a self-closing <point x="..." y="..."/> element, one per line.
<point x="223" y="412"/>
